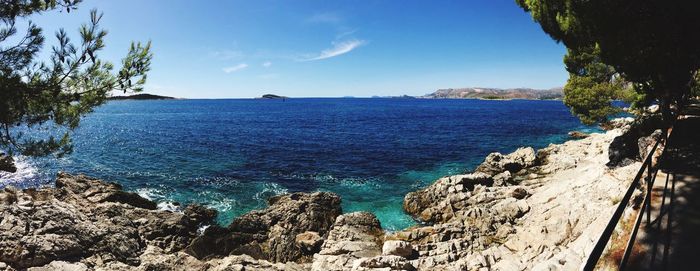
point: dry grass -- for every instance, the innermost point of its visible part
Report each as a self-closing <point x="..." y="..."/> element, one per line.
<point x="618" y="243"/>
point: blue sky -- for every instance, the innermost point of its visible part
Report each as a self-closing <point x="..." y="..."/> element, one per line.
<point x="229" y="49"/>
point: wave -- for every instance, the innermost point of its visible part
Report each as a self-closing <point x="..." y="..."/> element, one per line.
<point x="223" y="205"/>
<point x="159" y="196"/>
<point x="169" y="206"/>
<point x="152" y="194"/>
<point x="269" y="190"/>
<point x="26" y="171"/>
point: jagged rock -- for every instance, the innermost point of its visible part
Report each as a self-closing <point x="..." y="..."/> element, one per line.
<point x="53" y="230"/>
<point x="80" y="187"/>
<point x="7" y="163"/>
<point x="156" y="259"/>
<point x="271" y="233"/>
<point x="502" y="178"/>
<point x="245" y="262"/>
<point x="86" y="218"/>
<point x="434" y="203"/>
<point x="171" y="231"/>
<point x="646" y="143"/>
<point x="353" y="236"/>
<point x="624" y="149"/>
<point x="511" y="208"/>
<point x="477" y="221"/>
<point x="398" y="248"/>
<point x="310" y="242"/>
<point x="496" y="163"/>
<point x="60" y="265"/>
<point x="619" y="123"/>
<point x="577" y="135"/>
<point x="621" y="151"/>
<point x="386" y="262"/>
<point x="519" y="193"/>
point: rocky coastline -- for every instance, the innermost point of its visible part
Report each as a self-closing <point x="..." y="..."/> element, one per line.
<point x="527" y="210"/>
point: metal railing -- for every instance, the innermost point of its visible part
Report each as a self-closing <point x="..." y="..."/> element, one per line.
<point x="650" y="177"/>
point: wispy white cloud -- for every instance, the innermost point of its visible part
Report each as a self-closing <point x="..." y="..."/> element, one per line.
<point x="226" y="54"/>
<point x="235" y="68"/>
<point x="345" y="33"/>
<point x="326" y="17"/>
<point x="339" y="48"/>
<point x="267" y="64"/>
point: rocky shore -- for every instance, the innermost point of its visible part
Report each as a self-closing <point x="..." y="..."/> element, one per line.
<point x="527" y="210"/>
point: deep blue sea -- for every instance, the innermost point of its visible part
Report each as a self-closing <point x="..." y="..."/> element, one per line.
<point x="232" y="155"/>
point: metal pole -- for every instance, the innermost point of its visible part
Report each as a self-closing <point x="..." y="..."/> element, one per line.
<point x="650" y="183"/>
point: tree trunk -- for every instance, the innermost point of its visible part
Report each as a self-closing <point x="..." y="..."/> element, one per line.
<point x="665" y="107"/>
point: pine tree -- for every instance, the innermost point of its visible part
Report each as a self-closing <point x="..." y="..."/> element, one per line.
<point x="55" y="93"/>
<point x="652" y="44"/>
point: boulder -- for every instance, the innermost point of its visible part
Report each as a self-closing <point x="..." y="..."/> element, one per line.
<point x="398" y="248"/>
<point x="519" y="159"/>
<point x="7" y="163"/>
<point x="353" y="236"/>
<point x="80" y="187"/>
<point x="172" y="231"/>
<point x="646" y="143"/>
<point x="434" y="203"/>
<point x="519" y="193"/>
<point x="50" y="230"/>
<point x="578" y="135"/>
<point x="624" y="149"/>
<point x="85" y="218"/>
<point x="619" y="123"/>
<point x="60" y="265"/>
<point x="386" y="262"/>
<point x="310" y="242"/>
<point x="502" y="179"/>
<point x="271" y="233"/>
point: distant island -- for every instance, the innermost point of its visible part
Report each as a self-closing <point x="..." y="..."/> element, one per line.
<point x="396" y="97"/>
<point x="273" y="96"/>
<point x="143" y="96"/>
<point x="496" y="93"/>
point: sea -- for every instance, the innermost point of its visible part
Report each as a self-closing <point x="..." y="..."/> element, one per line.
<point x="233" y="154"/>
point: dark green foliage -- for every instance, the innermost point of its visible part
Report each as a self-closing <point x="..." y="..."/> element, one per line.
<point x="589" y="100"/>
<point x="652" y="44"/>
<point x="593" y="86"/>
<point x="51" y="96"/>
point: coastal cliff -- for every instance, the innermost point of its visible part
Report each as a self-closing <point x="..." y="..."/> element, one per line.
<point x="528" y="209"/>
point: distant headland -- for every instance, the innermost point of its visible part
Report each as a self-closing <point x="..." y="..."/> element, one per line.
<point x="273" y="96"/>
<point x="143" y="96"/>
<point x="496" y="93"/>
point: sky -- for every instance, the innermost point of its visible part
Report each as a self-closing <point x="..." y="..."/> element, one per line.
<point x="309" y="48"/>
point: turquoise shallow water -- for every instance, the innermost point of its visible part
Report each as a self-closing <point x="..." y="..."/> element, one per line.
<point x="232" y="155"/>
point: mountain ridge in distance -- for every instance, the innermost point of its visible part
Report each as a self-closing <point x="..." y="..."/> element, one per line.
<point x="497" y="93"/>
